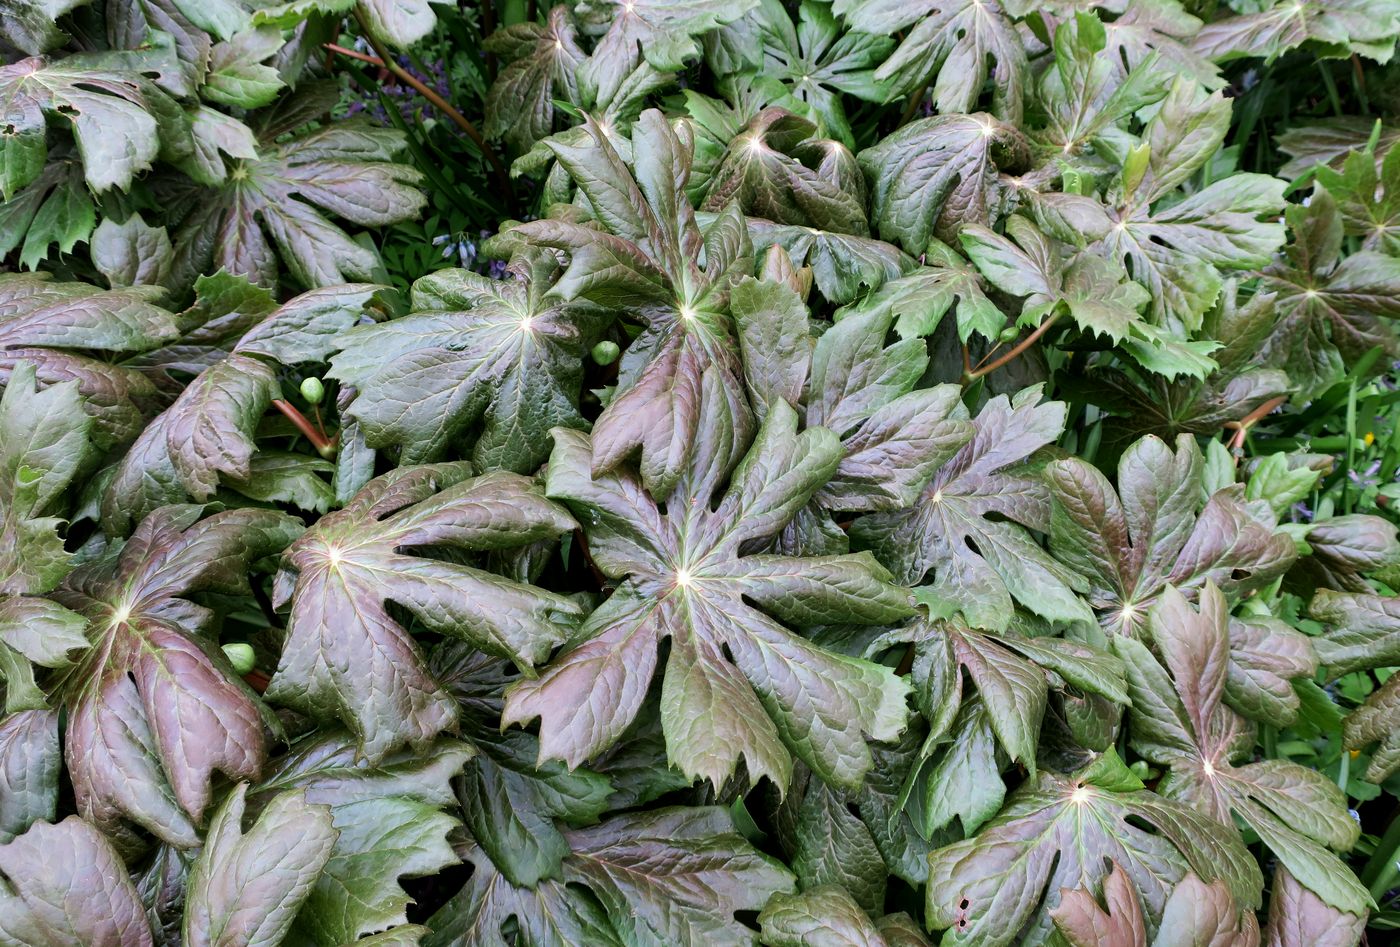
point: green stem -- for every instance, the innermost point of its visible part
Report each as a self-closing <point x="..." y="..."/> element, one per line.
<point x="1333" y="95"/>
<point x="1384" y="865"/>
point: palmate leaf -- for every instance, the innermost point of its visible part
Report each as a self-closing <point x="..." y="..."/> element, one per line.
<point x="503" y="353"/>
<point x="30" y="763"/>
<point x="1331" y="310"/>
<point x="58" y="328"/>
<point x="115" y="115"/>
<point x="738" y="682"/>
<point x="66" y="884"/>
<point x="1365" y="27"/>
<point x="515" y="809"/>
<point x="817" y="62"/>
<point x="154" y="708"/>
<point x="246" y="887"/>
<point x="44" y="442"/>
<point x="1012" y="674"/>
<point x="830" y="844"/>
<point x="1093" y="90"/>
<point x="670" y="877"/>
<point x="276" y="206"/>
<point x="663" y="33"/>
<point x="981" y="565"/>
<point x="347" y="657"/>
<point x="1367" y="190"/>
<point x="935" y="175"/>
<point x="826" y="916"/>
<point x="1180" y="250"/>
<point x="857" y="839"/>
<point x="763" y="171"/>
<point x="56" y="209"/>
<point x="647" y="262"/>
<point x="1365" y="634"/>
<point x="1179" y="721"/>
<point x="1195" y="913"/>
<point x="1329" y="142"/>
<point x="1139" y="32"/>
<point x="1095" y="293"/>
<point x="921" y="297"/>
<point x="207" y="437"/>
<point x="953" y="42"/>
<point x="1158" y="530"/>
<point x="543" y="65"/>
<point x="31" y="26"/>
<point x="849" y="380"/>
<point x="387" y="823"/>
<point x="844" y="266"/>
<point x="1058" y="833"/>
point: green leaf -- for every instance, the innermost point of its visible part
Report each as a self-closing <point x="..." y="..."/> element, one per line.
<point x="1331" y="310"/>
<point x="60" y="328"/>
<point x="388" y="824"/>
<point x="44" y="442"/>
<point x="830" y="844"/>
<point x="844" y="266"/>
<point x="109" y="111"/>
<point x="543" y="63"/>
<point x="1178" y="250"/>
<point x="515" y="808"/>
<point x="207" y="437"/>
<point x="738" y="682"/>
<point x="30" y="763"/>
<point x="1058" y="833"/>
<point x="399" y="23"/>
<point x="1367" y="192"/>
<point x="979" y="564"/>
<point x="236" y="76"/>
<point x="504" y="354"/>
<point x="348" y="659"/>
<point x="952" y="43"/>
<point x="935" y="175"/>
<point x="1179" y="722"/>
<point x="246" y="887"/>
<point x="763" y="170"/>
<point x="1013" y="675"/>
<point x="649" y="262"/>
<point x="817" y="62"/>
<point x="671" y="876"/>
<point x="1365" y="634"/>
<point x="1361" y="26"/>
<point x="1156" y="532"/>
<point x="66" y="884"/>
<point x="154" y="707"/>
<point x="131" y="254"/>
<point x="276" y="206"/>
<point x="31" y="26"/>
<point x="824" y="916"/>
<point x="1096" y="295"/>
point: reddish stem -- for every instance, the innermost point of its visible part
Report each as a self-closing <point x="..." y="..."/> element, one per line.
<point x="1020" y="348"/>
<point x="1242" y="426"/>
<point x="318" y="440"/>
<point x="385" y="61"/>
